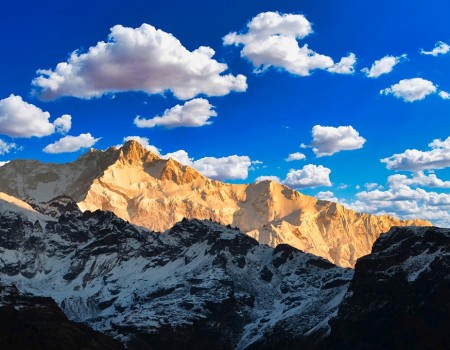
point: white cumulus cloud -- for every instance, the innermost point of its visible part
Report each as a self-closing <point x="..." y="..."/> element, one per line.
<point x="63" y="124"/>
<point x="271" y="40"/>
<point x="326" y="196"/>
<point x="295" y="156"/>
<point x="372" y="185"/>
<point x="404" y="199"/>
<point x="417" y="179"/>
<point x="383" y="66"/>
<point x="444" y="95"/>
<point x="345" y="66"/>
<point x="268" y="178"/>
<point x="411" y="90"/>
<point x="4" y="162"/>
<point x="69" y="144"/>
<point x="21" y="119"/>
<point x="180" y="156"/>
<point x="328" y="140"/>
<point x="218" y="168"/>
<point x="222" y="168"/>
<point x="406" y="196"/>
<point x="139" y="59"/>
<point x="415" y="160"/>
<point x="440" y="48"/>
<point x="196" y="112"/>
<point x="309" y="176"/>
<point x="230" y="167"/>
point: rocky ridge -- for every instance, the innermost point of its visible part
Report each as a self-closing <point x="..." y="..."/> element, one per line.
<point x="399" y="296"/>
<point x="140" y="187"/>
<point x="29" y="322"/>
<point x="199" y="283"/>
<point x="202" y="285"/>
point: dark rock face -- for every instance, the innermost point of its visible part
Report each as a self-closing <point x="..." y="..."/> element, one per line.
<point x="399" y="297"/>
<point x="30" y="322"/>
<point x="55" y="207"/>
<point x="200" y="285"/>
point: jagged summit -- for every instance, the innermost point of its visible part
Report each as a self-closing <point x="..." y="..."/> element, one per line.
<point x="147" y="190"/>
<point x="133" y="152"/>
<point x="133" y="147"/>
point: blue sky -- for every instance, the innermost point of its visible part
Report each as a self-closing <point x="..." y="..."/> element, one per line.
<point x="277" y="94"/>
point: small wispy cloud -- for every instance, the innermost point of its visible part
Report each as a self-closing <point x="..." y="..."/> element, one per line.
<point x="440" y="48"/>
<point x="382" y="66"/>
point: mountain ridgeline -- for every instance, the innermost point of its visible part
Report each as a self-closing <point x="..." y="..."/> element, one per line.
<point x="148" y="191"/>
<point x="201" y="285"/>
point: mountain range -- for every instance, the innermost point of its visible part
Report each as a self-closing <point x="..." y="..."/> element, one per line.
<point x="125" y="249"/>
<point x="201" y="285"/>
<point x="141" y="187"/>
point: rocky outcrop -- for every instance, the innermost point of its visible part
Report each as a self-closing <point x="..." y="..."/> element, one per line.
<point x="399" y="296"/>
<point x="28" y="322"/>
<point x="156" y="193"/>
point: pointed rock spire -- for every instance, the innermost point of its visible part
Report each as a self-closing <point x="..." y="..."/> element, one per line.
<point x="133" y="152"/>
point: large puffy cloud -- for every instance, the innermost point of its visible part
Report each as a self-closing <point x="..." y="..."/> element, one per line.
<point x="139" y="59"/>
<point x="3" y="163"/>
<point x="411" y="90"/>
<point x="414" y="160"/>
<point x="271" y="40"/>
<point x="440" y="48"/>
<point x="383" y="66"/>
<point x="328" y="140"/>
<point x="222" y="168"/>
<point x="196" y="112"/>
<point x="231" y="167"/>
<point x="6" y="147"/>
<point x="21" y="119"/>
<point x="309" y="176"/>
<point x="69" y="144"/>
